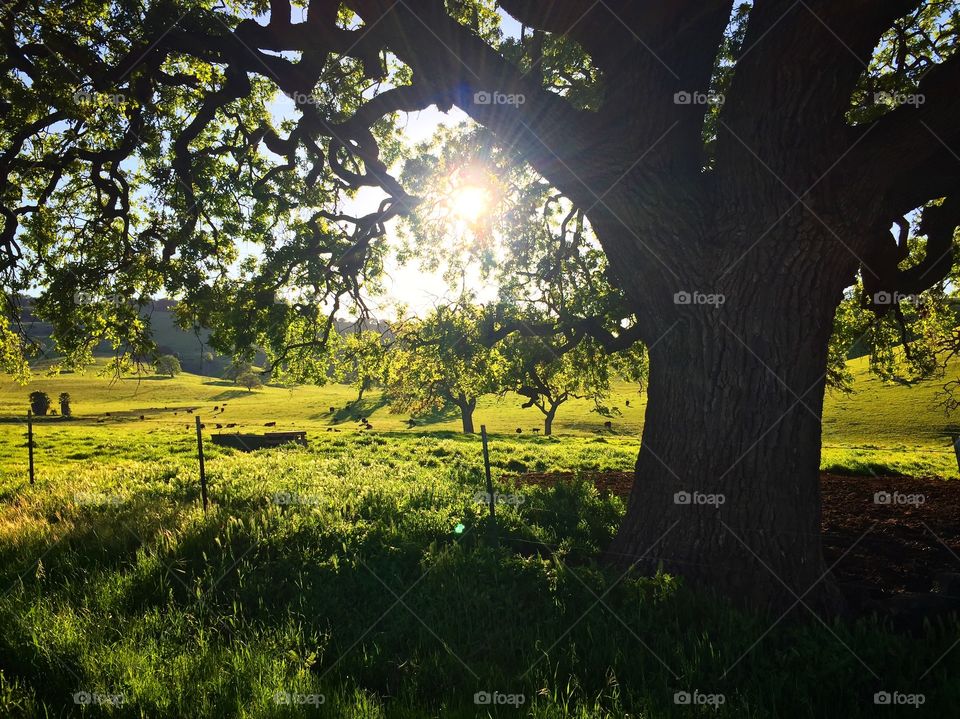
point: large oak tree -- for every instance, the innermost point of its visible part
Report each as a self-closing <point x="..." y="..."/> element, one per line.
<point x="137" y="150"/>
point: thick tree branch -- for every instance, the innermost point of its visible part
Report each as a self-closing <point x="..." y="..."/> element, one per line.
<point x="909" y="148"/>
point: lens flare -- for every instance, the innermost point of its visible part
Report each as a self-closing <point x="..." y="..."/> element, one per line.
<point x="469" y="203"/>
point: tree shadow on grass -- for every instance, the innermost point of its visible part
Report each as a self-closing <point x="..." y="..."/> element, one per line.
<point x="231" y="394"/>
<point x="353" y="411"/>
<point x="448" y="413"/>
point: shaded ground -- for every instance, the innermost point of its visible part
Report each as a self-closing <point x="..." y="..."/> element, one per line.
<point x="904" y="545"/>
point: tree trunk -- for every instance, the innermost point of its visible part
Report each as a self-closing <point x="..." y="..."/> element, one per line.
<point x="727" y="479"/>
<point x="466" y="413"/>
<point x="548" y="421"/>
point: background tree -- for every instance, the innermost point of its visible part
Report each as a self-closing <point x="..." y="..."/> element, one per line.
<point x="360" y="359"/>
<point x="168" y="365"/>
<point x="549" y="374"/>
<point x="236" y="369"/>
<point x="442" y="360"/>
<point x="39" y="402"/>
<point x="65" y="409"/>
<point x="250" y="380"/>
<point x="773" y="198"/>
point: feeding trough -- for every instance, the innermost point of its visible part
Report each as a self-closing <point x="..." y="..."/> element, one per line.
<point x="251" y="442"/>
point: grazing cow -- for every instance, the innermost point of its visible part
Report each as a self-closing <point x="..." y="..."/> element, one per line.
<point x="536" y="429"/>
<point x="101" y="420"/>
<point x="175" y="414"/>
<point x="108" y="414"/>
<point x="189" y="411"/>
<point x="216" y="407"/>
<point x="202" y="426"/>
<point x="218" y="426"/>
<point x="142" y="417"/>
<point x="329" y="429"/>
<point x="519" y="431"/>
<point x="270" y="424"/>
<point x="628" y="403"/>
<point x="333" y="410"/>
<point x="231" y="425"/>
<point x="411" y="422"/>
<point x="608" y="424"/>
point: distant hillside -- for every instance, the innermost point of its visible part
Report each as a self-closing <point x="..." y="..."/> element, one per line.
<point x="189" y="347"/>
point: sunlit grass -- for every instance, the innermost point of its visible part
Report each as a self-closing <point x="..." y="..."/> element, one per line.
<point x="116" y="582"/>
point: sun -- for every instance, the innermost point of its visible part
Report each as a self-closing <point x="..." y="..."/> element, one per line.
<point x="470" y="202"/>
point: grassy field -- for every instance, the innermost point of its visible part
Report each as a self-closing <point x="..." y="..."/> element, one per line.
<point x="881" y="427"/>
<point x="359" y="577"/>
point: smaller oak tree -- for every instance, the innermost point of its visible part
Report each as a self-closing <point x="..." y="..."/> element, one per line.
<point x="548" y="372"/>
<point x="359" y="360"/>
<point x="168" y="365"/>
<point x="251" y="380"/>
<point x="39" y="402"/>
<point x="442" y="361"/>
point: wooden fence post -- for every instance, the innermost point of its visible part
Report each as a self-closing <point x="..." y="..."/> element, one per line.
<point x="30" y="441"/>
<point x="203" y="475"/>
<point x="956" y="449"/>
<point x="486" y="467"/>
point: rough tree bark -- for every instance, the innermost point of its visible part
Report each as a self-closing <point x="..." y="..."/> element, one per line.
<point x="727" y="489"/>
